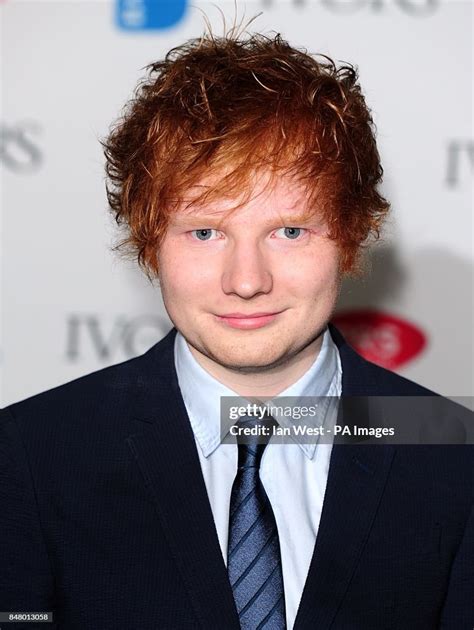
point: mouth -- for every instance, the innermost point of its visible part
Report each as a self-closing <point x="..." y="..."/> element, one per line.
<point x="248" y="321"/>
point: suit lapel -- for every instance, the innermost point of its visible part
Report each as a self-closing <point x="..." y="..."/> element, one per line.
<point x="357" y="476"/>
<point x="166" y="453"/>
<point x="356" y="479"/>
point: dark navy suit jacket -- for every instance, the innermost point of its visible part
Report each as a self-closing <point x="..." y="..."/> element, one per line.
<point x="105" y="519"/>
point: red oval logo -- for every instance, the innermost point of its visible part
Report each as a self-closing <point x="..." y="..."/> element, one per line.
<point x="383" y="339"/>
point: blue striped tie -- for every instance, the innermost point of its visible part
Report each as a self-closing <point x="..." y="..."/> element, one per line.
<point x="253" y="555"/>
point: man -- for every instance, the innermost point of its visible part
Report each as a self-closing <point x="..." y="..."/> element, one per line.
<point x="245" y="175"/>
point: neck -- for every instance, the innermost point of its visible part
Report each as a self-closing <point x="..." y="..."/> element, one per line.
<point x="266" y="383"/>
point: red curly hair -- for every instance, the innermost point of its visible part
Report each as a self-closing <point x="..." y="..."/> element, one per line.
<point x="228" y="106"/>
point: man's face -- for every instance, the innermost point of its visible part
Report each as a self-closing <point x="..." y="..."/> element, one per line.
<point x="263" y="261"/>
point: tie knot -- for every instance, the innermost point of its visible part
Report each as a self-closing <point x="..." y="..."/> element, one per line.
<point x="253" y="436"/>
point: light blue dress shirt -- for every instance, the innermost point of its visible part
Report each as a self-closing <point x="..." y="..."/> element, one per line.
<point x="293" y="474"/>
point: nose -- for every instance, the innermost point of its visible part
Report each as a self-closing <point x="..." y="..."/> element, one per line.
<point x="246" y="272"/>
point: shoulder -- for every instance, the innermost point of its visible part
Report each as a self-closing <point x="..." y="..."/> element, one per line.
<point x="446" y="453"/>
<point x="81" y="402"/>
<point x="98" y="397"/>
<point x="364" y="378"/>
<point x="388" y="382"/>
<point x="80" y="389"/>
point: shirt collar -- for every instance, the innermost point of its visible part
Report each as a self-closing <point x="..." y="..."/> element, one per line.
<point x="202" y="392"/>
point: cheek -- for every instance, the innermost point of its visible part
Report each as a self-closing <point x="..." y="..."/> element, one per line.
<point x="310" y="275"/>
<point x="181" y="275"/>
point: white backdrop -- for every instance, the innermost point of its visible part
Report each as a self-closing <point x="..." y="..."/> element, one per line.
<point x="70" y="306"/>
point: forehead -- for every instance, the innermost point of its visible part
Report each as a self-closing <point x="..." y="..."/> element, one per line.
<point x="264" y="198"/>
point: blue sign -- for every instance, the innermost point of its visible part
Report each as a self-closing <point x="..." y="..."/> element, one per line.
<point x="149" y="15"/>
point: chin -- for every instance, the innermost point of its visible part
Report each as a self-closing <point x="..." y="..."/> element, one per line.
<point x="247" y="360"/>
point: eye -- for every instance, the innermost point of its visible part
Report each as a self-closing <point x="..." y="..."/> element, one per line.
<point x="204" y="234"/>
<point x="291" y="232"/>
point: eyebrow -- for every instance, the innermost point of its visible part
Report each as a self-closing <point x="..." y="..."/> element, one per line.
<point x="214" y="221"/>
